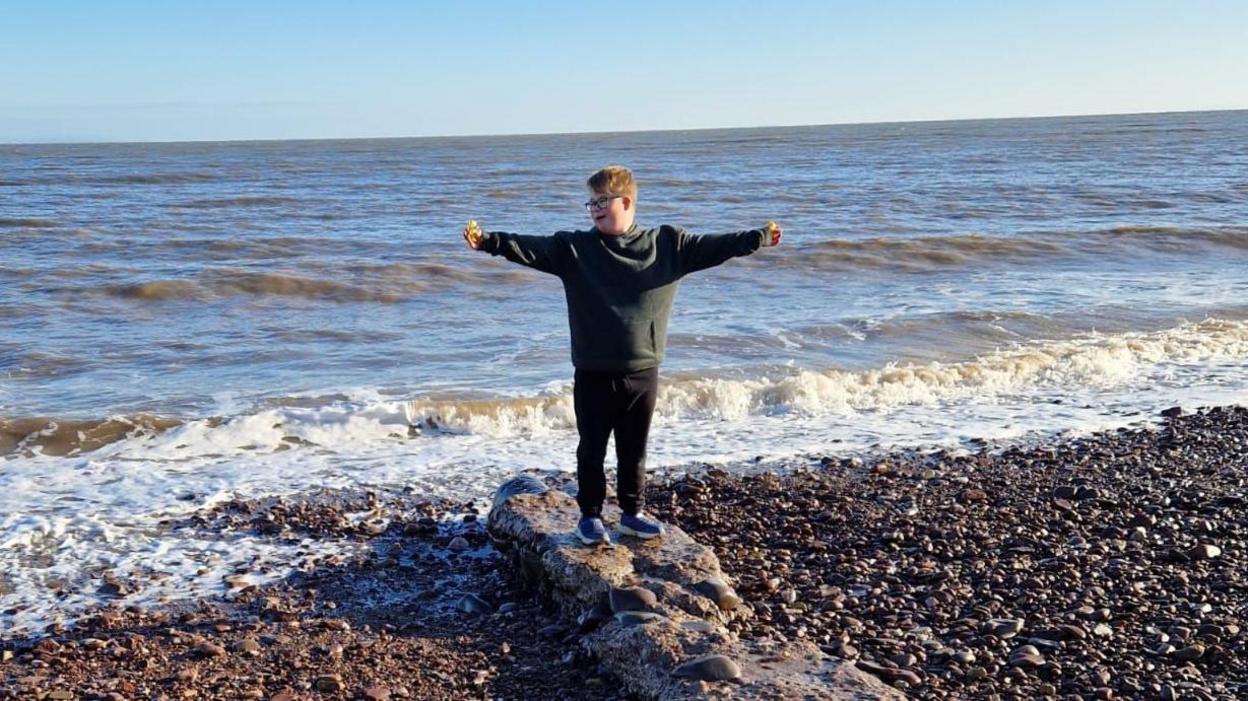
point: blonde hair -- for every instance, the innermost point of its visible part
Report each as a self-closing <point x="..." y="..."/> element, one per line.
<point x="613" y="180"/>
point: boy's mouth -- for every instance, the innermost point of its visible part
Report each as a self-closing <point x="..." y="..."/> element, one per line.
<point x="599" y="217"/>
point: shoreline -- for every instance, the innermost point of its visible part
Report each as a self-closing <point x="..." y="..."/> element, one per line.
<point x="1114" y="570"/>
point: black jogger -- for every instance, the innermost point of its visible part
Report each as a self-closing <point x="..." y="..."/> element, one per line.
<point x="622" y="402"/>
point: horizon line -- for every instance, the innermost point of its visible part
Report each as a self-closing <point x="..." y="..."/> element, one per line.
<point x="621" y="131"/>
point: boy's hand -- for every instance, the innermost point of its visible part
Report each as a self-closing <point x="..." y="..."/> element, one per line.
<point x="774" y="233"/>
<point x="473" y="235"/>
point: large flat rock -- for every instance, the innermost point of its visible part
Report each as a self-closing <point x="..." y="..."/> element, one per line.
<point x="672" y="642"/>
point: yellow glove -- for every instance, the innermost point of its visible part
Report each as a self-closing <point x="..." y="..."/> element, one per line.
<point x="473" y="234"/>
<point x="774" y="232"/>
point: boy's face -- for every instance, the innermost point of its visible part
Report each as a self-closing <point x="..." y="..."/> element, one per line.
<point x="616" y="215"/>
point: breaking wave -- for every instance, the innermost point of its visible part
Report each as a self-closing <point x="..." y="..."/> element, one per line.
<point x="940" y="252"/>
<point x="1096" y="360"/>
<point x="59" y="437"/>
<point x="386" y="284"/>
<point x="242" y="283"/>
<point x="336" y="421"/>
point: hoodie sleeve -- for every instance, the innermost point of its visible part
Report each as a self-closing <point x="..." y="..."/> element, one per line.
<point x="702" y="251"/>
<point x="544" y="253"/>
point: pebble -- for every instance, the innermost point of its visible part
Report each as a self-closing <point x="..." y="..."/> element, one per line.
<point x="1204" y="551"/>
<point x="1191" y="652"/>
<point x="1070" y="554"/>
<point x="208" y="650"/>
<point x="903" y="659"/>
<point x="637" y="618"/>
<point x="1027" y="657"/>
<point x="892" y="675"/>
<point x="709" y="668"/>
<point x="1004" y="628"/>
<point x="631" y="599"/>
<point x="473" y="604"/>
<point x="717" y="590"/>
<point x="328" y="684"/>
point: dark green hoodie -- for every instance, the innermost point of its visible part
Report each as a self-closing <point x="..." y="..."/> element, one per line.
<point x="620" y="288"/>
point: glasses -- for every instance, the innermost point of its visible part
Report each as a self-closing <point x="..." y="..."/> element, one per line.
<point x="601" y="202"/>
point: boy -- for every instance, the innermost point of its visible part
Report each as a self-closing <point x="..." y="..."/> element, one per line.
<point x="619" y="280"/>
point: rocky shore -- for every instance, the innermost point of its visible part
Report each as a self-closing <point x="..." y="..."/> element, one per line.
<point x="1106" y="567"/>
<point x="425" y="610"/>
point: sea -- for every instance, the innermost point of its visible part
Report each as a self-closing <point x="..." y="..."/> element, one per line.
<point x="187" y="323"/>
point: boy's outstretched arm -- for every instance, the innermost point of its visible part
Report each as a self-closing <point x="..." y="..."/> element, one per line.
<point x="542" y="253"/>
<point x="699" y="252"/>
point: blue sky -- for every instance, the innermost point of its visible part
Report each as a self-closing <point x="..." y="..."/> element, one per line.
<point x="160" y="71"/>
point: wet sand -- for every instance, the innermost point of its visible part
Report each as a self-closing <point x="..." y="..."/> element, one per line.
<point x="1111" y="566"/>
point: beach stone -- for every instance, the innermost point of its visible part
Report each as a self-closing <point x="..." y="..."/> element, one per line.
<point x="1027" y="661"/>
<point x="631" y="599"/>
<point x="328" y="684"/>
<point x="892" y="675"/>
<point x="459" y="543"/>
<point x="637" y="618"/>
<point x="1086" y="493"/>
<point x="208" y="650"/>
<point x="903" y="659"/>
<point x="473" y="604"/>
<point x="520" y="484"/>
<point x="1072" y="632"/>
<point x="1027" y="657"/>
<point x="717" y="590"/>
<point x="248" y="646"/>
<point x="1189" y="653"/>
<point x="973" y="496"/>
<point x="1209" y="630"/>
<point x="1204" y="551"/>
<point x="114" y="587"/>
<point x="709" y="668"/>
<point x="1003" y="628"/>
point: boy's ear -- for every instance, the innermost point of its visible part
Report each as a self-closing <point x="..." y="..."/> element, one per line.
<point x="628" y="202"/>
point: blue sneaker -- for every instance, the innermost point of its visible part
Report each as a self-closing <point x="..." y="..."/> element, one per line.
<point x="591" y="531"/>
<point x="640" y="525"/>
